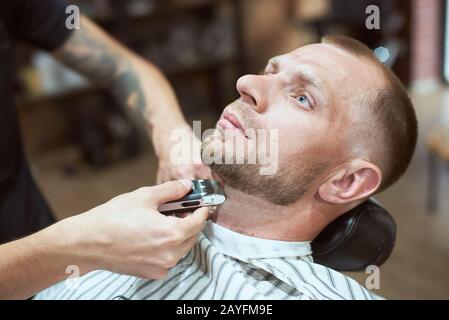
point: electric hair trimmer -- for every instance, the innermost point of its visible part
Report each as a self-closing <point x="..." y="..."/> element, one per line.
<point x="204" y="193"/>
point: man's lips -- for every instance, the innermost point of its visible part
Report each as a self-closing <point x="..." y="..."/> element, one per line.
<point x="230" y="121"/>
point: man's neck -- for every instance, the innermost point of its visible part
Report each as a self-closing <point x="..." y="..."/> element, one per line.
<point x="255" y="217"/>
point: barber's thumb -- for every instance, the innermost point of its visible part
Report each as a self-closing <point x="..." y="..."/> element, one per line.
<point x="195" y="221"/>
<point x="171" y="190"/>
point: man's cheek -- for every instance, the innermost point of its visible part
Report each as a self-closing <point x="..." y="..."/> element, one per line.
<point x="268" y="152"/>
<point x="289" y="139"/>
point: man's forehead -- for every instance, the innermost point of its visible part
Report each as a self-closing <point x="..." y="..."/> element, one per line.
<point x="316" y="58"/>
<point x="334" y="61"/>
<point x="317" y="52"/>
<point x="313" y="47"/>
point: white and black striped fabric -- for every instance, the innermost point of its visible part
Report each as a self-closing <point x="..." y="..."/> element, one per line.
<point x="226" y="265"/>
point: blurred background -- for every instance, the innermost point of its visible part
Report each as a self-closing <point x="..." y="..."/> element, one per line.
<point x="84" y="150"/>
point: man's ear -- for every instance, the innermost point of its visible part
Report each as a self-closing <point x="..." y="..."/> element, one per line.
<point x="357" y="180"/>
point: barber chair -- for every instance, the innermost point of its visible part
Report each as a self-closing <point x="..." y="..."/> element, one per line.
<point x="361" y="237"/>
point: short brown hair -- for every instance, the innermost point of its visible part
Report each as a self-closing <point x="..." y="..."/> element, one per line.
<point x="391" y="110"/>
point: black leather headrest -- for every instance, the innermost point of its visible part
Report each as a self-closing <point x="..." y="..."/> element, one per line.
<point x="361" y="237"/>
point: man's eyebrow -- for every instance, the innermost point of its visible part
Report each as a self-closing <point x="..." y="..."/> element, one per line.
<point x="301" y="75"/>
<point x="274" y="62"/>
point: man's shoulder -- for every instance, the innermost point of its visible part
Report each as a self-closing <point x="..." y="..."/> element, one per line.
<point x="346" y="286"/>
<point x="320" y="282"/>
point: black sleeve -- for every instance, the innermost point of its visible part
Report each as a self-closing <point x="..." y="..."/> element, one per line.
<point x="41" y="23"/>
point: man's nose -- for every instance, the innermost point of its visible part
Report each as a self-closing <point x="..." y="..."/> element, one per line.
<point x="251" y="89"/>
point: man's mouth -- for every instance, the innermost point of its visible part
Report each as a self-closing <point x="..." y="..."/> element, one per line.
<point x="230" y="121"/>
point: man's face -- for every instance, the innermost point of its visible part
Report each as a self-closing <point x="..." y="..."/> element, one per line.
<point x="308" y="96"/>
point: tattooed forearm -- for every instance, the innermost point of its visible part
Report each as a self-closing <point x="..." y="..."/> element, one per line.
<point x="129" y="89"/>
<point x="100" y="58"/>
<point x="90" y="56"/>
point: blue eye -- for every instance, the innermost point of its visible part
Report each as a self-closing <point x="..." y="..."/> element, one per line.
<point x="304" y="100"/>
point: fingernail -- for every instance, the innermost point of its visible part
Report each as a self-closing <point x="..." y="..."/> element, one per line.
<point x="212" y="210"/>
<point x="187" y="183"/>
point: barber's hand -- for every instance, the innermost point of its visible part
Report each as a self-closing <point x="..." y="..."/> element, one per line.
<point x="170" y="171"/>
<point x="128" y="235"/>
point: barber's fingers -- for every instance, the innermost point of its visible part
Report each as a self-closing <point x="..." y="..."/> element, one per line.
<point x="202" y="172"/>
<point x="161" y="177"/>
<point x="187" y="245"/>
<point x="174" y="172"/>
<point x="171" y="190"/>
<point x="194" y="223"/>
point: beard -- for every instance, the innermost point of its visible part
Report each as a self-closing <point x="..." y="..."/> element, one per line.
<point x="285" y="187"/>
<point x="293" y="179"/>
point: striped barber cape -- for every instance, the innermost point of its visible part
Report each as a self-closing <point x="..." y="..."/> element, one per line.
<point x="225" y="265"/>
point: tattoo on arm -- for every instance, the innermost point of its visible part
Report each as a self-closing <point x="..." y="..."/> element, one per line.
<point x="90" y="56"/>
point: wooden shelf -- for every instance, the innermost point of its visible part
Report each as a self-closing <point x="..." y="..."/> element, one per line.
<point x="204" y="66"/>
<point x="123" y="26"/>
<point x="166" y="8"/>
<point x="31" y="101"/>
